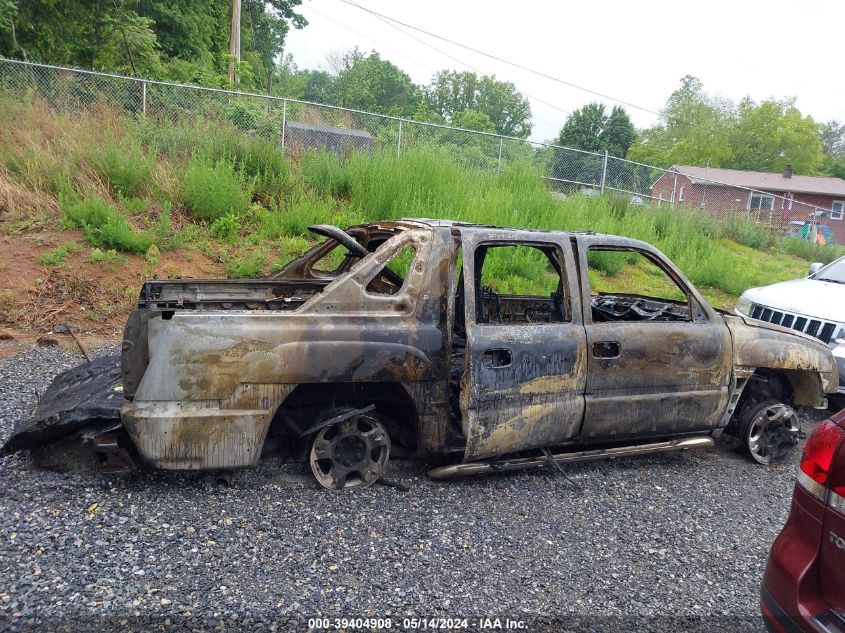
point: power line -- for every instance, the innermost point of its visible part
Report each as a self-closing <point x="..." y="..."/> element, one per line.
<point x="500" y="59"/>
<point x="463" y="63"/>
<point x="453" y="58"/>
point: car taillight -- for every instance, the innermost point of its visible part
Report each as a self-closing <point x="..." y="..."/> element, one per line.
<point x="817" y="460"/>
<point x="836" y="481"/>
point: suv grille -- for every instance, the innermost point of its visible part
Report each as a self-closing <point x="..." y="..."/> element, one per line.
<point x="823" y="330"/>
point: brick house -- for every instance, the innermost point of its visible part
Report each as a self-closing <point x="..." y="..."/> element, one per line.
<point x="778" y="199"/>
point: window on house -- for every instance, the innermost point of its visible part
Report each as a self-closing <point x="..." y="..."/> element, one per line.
<point x="760" y="202"/>
<point x="681" y="195"/>
<point x="836" y="211"/>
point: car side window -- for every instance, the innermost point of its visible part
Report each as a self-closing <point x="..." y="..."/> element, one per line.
<point x="391" y="279"/>
<point x="628" y="285"/>
<point x="519" y="284"/>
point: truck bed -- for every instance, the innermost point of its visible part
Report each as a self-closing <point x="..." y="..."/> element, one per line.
<point x="228" y="294"/>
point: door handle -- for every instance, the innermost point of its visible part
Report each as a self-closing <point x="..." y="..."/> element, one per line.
<point x="606" y="349"/>
<point x="499" y="357"/>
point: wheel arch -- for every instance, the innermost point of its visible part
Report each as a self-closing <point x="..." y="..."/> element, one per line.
<point x="395" y="408"/>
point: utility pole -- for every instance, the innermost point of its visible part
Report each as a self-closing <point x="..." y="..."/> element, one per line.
<point x="235" y="41"/>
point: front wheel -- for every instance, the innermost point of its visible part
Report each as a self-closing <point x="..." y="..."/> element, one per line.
<point x="769" y="431"/>
<point x="351" y="453"/>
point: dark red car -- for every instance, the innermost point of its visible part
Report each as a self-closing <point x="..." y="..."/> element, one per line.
<point x="804" y="584"/>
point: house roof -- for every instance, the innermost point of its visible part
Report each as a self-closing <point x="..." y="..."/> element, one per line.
<point x="766" y="181"/>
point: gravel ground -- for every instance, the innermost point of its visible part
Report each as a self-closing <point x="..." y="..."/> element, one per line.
<point x="659" y="543"/>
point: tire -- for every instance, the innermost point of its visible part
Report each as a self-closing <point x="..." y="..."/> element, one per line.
<point x="769" y="431"/>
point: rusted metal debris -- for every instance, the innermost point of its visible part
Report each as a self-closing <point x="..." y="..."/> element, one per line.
<point x="446" y="368"/>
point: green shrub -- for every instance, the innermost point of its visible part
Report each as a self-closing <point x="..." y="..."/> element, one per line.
<point x="264" y="161"/>
<point x="102" y="226"/>
<point x="213" y="190"/>
<point x="743" y="230"/>
<point x="98" y="256"/>
<point x="226" y="227"/>
<point x="247" y="266"/>
<point x="824" y="253"/>
<point x="325" y="173"/>
<point x="58" y="255"/>
<point x="123" y="164"/>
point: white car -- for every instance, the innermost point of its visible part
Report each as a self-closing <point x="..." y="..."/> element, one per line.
<point x="814" y="305"/>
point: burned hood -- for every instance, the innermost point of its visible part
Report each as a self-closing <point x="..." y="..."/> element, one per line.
<point x="87" y="394"/>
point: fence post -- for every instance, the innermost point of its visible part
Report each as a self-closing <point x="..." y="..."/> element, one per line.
<point x="499" y="166"/>
<point x="399" y="140"/>
<point x="674" y="187"/>
<point x="284" y="120"/>
<point x="604" y="172"/>
<point x="144" y="98"/>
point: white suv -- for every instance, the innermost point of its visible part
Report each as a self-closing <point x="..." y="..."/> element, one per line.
<point x="814" y="305"/>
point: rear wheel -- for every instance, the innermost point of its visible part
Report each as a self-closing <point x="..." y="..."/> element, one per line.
<point x="351" y="453"/>
<point x="769" y="431"/>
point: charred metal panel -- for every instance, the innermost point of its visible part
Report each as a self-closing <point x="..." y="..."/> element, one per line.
<point x="86" y="394"/>
<point x="524" y="384"/>
<point x="205" y="435"/>
<point x="196" y="436"/>
<point x="654" y="377"/>
<point x="763" y="345"/>
<point x="201" y="361"/>
<point x="666" y="378"/>
<point x="432" y="403"/>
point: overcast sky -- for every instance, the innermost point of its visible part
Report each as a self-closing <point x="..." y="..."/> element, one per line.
<point x="633" y="51"/>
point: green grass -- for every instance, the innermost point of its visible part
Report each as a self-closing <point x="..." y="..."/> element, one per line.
<point x="215" y="188"/>
<point x="103" y="226"/>
<point x="124" y="164"/>
<point x="58" y="255"/>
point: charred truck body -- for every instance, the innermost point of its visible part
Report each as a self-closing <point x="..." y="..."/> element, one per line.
<point x="391" y="336"/>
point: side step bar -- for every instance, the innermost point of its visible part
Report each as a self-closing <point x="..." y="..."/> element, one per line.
<point x="524" y="463"/>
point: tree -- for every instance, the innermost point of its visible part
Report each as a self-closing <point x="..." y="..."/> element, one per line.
<point x="185" y="40"/>
<point x="368" y="82"/>
<point x="773" y="134"/>
<point x="694" y="130"/>
<point x="473" y="120"/>
<point x="452" y="92"/>
<point x="591" y="129"/>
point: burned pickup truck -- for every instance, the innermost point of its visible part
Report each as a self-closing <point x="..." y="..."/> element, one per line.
<point x="480" y="349"/>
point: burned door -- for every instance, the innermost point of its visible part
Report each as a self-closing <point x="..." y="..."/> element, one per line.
<point x="523" y="386"/>
<point x="659" y="358"/>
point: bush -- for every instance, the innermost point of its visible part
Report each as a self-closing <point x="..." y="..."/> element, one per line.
<point x="226" y="228"/>
<point x="247" y="266"/>
<point x="264" y="162"/>
<point x="104" y="227"/>
<point x="325" y="173"/>
<point x="824" y="253"/>
<point x="214" y="190"/>
<point x="123" y="164"/>
<point x="58" y="255"/>
<point x="742" y="230"/>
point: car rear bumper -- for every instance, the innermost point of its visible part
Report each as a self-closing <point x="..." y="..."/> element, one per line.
<point x="779" y="621"/>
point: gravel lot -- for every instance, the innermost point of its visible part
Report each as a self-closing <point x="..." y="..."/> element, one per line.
<point x="654" y="543"/>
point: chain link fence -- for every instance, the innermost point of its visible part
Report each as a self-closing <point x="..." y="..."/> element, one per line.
<point x="300" y="126"/>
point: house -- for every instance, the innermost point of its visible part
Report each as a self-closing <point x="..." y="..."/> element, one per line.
<point x="777" y="199"/>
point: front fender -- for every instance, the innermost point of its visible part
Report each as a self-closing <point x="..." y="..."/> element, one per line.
<point x="806" y="361"/>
